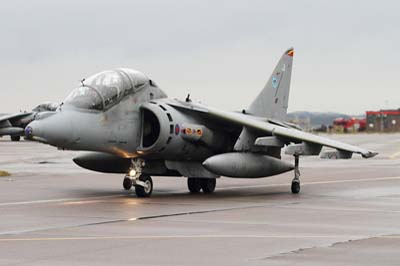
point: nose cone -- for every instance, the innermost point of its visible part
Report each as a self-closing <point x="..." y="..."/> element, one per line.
<point x="54" y="130"/>
<point x="34" y="132"/>
<point x="28" y="131"/>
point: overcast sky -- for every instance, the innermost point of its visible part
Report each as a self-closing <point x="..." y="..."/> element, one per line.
<point x="222" y="52"/>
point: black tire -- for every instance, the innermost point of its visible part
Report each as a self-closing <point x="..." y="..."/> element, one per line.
<point x="127" y="184"/>
<point x="194" y="185"/>
<point x="15" y="138"/>
<point x="142" y="192"/>
<point x="208" y="184"/>
<point x="295" y="187"/>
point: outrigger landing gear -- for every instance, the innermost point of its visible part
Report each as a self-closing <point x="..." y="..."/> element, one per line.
<point x="143" y="183"/>
<point x="296" y="180"/>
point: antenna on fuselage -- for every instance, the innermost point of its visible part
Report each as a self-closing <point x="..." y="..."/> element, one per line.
<point x="188" y="98"/>
<point x="83" y="80"/>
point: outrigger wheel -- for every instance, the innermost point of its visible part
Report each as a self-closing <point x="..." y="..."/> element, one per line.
<point x="296" y="180"/>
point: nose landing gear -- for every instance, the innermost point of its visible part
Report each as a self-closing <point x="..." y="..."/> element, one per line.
<point x="143" y="183"/>
<point x="127" y="183"/>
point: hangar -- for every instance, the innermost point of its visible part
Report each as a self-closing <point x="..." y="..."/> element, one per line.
<point x="383" y="121"/>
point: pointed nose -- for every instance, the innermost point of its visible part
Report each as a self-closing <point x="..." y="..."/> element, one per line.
<point x="28" y="132"/>
<point x="34" y="132"/>
<point x="53" y="129"/>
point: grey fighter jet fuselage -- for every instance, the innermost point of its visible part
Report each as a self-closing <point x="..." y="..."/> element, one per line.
<point x="128" y="125"/>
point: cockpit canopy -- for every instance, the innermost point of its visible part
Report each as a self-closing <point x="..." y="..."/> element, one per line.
<point x="103" y="90"/>
<point x="45" y="107"/>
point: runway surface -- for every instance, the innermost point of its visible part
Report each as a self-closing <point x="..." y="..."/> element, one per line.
<point x="55" y="213"/>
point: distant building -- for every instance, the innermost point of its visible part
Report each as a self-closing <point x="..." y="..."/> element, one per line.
<point x="383" y="121"/>
<point x="351" y="125"/>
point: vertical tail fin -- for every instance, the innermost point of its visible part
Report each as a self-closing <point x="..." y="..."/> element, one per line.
<point x="272" y="101"/>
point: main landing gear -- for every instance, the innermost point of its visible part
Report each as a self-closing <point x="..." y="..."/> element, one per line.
<point x="142" y="182"/>
<point x="15" y="138"/>
<point x="296" y="180"/>
<point x="195" y="184"/>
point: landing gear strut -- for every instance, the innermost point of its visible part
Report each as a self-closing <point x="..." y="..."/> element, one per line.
<point x="296" y="180"/>
<point x="143" y="183"/>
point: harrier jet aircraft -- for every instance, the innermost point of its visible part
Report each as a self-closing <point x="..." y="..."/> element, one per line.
<point x="128" y="125"/>
<point x="15" y="124"/>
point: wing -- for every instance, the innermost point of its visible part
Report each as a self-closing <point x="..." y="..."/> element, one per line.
<point x="307" y="144"/>
<point x="12" y="124"/>
<point x="12" y="117"/>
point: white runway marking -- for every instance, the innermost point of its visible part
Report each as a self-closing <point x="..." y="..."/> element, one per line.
<point x="394" y="155"/>
<point x="319" y="182"/>
<point x="172" y="237"/>
<point x="56" y="200"/>
<point x="157" y="237"/>
<point x="220" y="189"/>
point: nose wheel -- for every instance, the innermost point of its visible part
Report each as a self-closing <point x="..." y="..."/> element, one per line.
<point x="296" y="180"/>
<point x="144" y="186"/>
<point x="127" y="183"/>
<point x="142" y="182"/>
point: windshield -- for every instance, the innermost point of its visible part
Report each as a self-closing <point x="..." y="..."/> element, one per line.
<point x="86" y="98"/>
<point x="108" y="84"/>
<point x="98" y="91"/>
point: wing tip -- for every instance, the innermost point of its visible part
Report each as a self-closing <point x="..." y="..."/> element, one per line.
<point x="369" y="154"/>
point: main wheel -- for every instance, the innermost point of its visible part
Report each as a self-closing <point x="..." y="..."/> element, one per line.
<point x="295" y="187"/>
<point x="208" y="184"/>
<point x="127" y="184"/>
<point x="194" y="184"/>
<point x="15" y="138"/>
<point x="144" y="192"/>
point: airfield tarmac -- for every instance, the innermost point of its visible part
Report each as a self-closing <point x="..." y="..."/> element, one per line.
<point x="55" y="213"/>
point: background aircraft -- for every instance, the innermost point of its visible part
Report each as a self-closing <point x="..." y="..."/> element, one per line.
<point x="15" y="124"/>
<point x="131" y="127"/>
